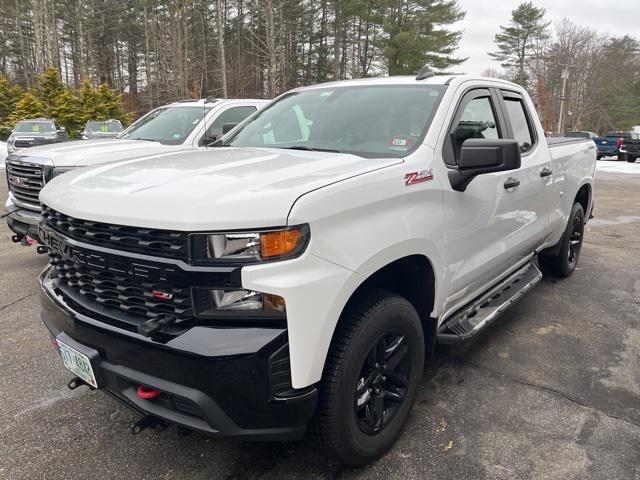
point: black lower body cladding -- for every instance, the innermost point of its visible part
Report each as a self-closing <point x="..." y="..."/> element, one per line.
<point x="218" y="381"/>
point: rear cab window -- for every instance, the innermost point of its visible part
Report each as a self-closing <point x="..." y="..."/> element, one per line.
<point x="519" y="120"/>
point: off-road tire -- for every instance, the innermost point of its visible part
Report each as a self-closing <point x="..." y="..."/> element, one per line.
<point x="562" y="265"/>
<point x="369" y="318"/>
<point x="630" y="158"/>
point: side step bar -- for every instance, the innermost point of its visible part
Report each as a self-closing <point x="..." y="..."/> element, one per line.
<point x="479" y="314"/>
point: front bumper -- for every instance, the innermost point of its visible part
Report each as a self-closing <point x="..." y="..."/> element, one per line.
<point x="22" y="221"/>
<point x="218" y="381"/>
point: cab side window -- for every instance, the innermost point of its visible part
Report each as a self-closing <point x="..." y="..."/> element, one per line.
<point x="231" y="115"/>
<point x="520" y="124"/>
<point x="476" y="118"/>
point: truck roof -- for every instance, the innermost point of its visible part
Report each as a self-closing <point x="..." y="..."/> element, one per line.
<point x="438" y="79"/>
<point x="189" y="102"/>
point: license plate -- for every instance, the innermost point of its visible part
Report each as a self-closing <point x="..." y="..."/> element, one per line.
<point x="77" y="363"/>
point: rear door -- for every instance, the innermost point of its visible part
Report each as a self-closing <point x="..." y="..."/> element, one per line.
<point x="501" y="217"/>
<point x="539" y="193"/>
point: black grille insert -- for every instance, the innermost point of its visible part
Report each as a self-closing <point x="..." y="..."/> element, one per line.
<point x="148" y="241"/>
<point x="25" y="181"/>
<point x="127" y="294"/>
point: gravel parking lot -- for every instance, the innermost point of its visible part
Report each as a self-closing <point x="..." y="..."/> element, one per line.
<point x="551" y="391"/>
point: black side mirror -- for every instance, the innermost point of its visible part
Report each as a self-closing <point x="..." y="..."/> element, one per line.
<point x="484" y="155"/>
<point x="210" y="140"/>
<point x="227" y="127"/>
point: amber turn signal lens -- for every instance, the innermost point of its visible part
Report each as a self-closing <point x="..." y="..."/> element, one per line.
<point x="273" y="303"/>
<point x="276" y="244"/>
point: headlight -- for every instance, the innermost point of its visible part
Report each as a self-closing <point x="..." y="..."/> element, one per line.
<point x="217" y="303"/>
<point x="60" y="170"/>
<point x="250" y="247"/>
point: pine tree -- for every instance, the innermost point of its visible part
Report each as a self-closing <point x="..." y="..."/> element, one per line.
<point x="49" y="88"/>
<point x="9" y="97"/>
<point x="417" y="34"/>
<point x="29" y="106"/>
<point x="66" y="112"/>
<point x="517" y="41"/>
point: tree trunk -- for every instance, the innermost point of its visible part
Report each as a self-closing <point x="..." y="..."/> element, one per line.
<point x="221" y="53"/>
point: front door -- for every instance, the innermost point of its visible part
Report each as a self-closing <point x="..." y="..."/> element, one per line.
<point x="495" y="223"/>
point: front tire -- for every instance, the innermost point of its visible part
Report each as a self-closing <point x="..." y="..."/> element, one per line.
<point x="564" y="263"/>
<point x="371" y="377"/>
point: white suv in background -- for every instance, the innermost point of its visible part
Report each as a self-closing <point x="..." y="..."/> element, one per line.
<point x="183" y="125"/>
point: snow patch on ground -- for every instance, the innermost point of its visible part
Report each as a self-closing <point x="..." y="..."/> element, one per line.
<point x="615" y="166"/>
<point x="3" y="154"/>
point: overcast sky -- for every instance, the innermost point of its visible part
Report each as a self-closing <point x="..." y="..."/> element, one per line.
<point x="484" y="17"/>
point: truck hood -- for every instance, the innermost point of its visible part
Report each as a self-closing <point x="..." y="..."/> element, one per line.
<point x="218" y="189"/>
<point x="83" y="153"/>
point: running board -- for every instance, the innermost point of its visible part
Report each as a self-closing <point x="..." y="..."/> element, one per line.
<point x="479" y="314"/>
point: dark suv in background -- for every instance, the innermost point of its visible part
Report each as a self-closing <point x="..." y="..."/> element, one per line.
<point x="101" y="129"/>
<point x="37" y="131"/>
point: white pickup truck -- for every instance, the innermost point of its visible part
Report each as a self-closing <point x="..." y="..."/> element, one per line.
<point x="184" y="125"/>
<point x="302" y="268"/>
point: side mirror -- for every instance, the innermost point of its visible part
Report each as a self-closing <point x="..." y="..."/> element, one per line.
<point x="210" y="140"/>
<point x="227" y="127"/>
<point x="484" y="155"/>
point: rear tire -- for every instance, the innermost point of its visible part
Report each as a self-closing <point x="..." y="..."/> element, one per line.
<point x="371" y="377"/>
<point x="564" y="263"/>
<point x="631" y="159"/>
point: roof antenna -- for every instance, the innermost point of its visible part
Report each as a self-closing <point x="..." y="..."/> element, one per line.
<point x="425" y="72"/>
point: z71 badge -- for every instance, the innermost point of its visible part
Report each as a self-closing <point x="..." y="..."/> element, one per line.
<point x="418" y="177"/>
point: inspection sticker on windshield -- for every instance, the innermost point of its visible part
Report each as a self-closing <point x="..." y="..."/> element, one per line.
<point x="400" y="144"/>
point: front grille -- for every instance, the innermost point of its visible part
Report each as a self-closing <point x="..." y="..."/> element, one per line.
<point x="25" y="181"/>
<point x="22" y="143"/>
<point x="121" y="292"/>
<point x="163" y="243"/>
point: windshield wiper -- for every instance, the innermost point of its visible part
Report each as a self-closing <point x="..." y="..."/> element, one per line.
<point x="311" y="149"/>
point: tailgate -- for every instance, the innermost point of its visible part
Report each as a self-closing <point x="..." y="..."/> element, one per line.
<point x="605" y="144"/>
<point x="632" y="146"/>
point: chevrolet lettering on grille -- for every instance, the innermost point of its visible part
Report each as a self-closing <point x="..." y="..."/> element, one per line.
<point x="112" y="263"/>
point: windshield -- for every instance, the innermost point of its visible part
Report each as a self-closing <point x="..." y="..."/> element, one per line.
<point x="168" y="125"/>
<point x="35" y="127"/>
<point x="370" y="121"/>
<point x="103" y="127"/>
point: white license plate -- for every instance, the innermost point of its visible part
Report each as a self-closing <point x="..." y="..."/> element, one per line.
<point x="77" y="363"/>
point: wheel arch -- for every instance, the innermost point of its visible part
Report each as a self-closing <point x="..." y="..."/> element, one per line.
<point x="583" y="197"/>
<point x="412" y="277"/>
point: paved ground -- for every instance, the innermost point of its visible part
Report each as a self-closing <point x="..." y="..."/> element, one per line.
<point x="551" y="392"/>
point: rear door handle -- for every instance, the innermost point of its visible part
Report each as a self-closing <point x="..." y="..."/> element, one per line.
<point x="545" y="172"/>
<point x="511" y="183"/>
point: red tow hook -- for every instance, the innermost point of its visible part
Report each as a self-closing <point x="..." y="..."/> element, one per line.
<point x="147" y="393"/>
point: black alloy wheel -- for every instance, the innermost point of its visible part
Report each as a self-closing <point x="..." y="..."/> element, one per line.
<point x="575" y="241"/>
<point x="383" y="382"/>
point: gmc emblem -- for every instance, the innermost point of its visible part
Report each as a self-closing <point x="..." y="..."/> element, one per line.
<point x="18" y="181"/>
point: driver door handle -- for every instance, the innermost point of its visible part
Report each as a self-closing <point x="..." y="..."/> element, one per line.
<point x="511" y="183"/>
<point x="545" y="172"/>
